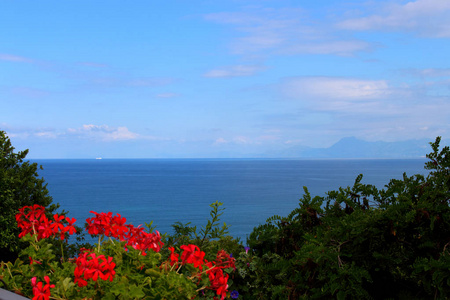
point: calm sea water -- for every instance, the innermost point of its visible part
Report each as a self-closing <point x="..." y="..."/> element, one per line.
<point x="171" y="190"/>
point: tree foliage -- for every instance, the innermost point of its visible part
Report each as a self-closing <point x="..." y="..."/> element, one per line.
<point x="20" y="185"/>
<point x="358" y="242"/>
<point x="212" y="237"/>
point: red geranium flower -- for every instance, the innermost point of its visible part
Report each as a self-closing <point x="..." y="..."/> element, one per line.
<point x="192" y="255"/>
<point x="225" y="260"/>
<point x="219" y="281"/>
<point x="141" y="240"/>
<point x="91" y="266"/>
<point x="41" y="291"/>
<point x="173" y="256"/>
<point x="32" y="219"/>
<point x="70" y="228"/>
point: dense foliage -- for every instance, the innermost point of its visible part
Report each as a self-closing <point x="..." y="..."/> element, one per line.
<point x="19" y="186"/>
<point x="126" y="263"/>
<point x="358" y="242"/>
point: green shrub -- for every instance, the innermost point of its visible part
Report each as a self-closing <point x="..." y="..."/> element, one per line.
<point x="19" y="186"/>
<point x="358" y="242"/>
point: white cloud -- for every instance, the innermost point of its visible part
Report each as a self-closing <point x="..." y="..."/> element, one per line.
<point x="235" y="71"/>
<point x="342" y="48"/>
<point x="104" y="132"/>
<point x="241" y="140"/>
<point x="246" y="140"/>
<point x="349" y="96"/>
<point x="373" y="109"/>
<point x="262" y="28"/>
<point x="267" y="138"/>
<point x="46" y="134"/>
<point x="167" y="95"/>
<point x="122" y="133"/>
<point x="293" y="142"/>
<point x="13" y="58"/>
<point x="125" y="82"/>
<point x="220" y="141"/>
<point x="92" y="64"/>
<point x="29" y="92"/>
<point x="426" y="17"/>
<point x="100" y="133"/>
<point x="26" y="132"/>
<point x="336" y="88"/>
<point x="285" y="31"/>
<point x="430" y="72"/>
<point x="155" y="81"/>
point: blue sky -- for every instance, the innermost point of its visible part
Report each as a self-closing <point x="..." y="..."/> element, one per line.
<point x="83" y="79"/>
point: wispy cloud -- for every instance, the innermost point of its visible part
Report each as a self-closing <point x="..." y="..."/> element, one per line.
<point x="126" y="82"/>
<point x="14" y="58"/>
<point x="428" y="72"/>
<point x="246" y="140"/>
<point x="341" y="48"/>
<point x="285" y="31"/>
<point x="346" y="96"/>
<point x="149" y="82"/>
<point x="241" y="140"/>
<point x="29" y="92"/>
<point x="104" y="132"/>
<point x="235" y="71"/>
<point x="336" y="88"/>
<point x="89" y="75"/>
<point x="430" y="18"/>
<point x="25" y="132"/>
<point x="373" y="109"/>
<point x="46" y="134"/>
<point x="98" y="133"/>
<point x="92" y="64"/>
<point x="167" y="95"/>
<point x="220" y="141"/>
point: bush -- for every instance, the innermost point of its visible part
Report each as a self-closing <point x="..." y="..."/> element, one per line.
<point x="19" y="186"/>
<point x="127" y="265"/>
<point x="358" y="242"/>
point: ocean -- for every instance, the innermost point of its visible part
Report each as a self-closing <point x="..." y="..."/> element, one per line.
<point x="166" y="191"/>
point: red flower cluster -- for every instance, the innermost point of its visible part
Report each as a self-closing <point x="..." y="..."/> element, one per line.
<point x="92" y="266"/>
<point x="217" y="278"/>
<point x="193" y="255"/>
<point x="32" y="219"/>
<point x="41" y="291"/>
<point x="225" y="260"/>
<point x="106" y="224"/>
<point x="173" y="256"/>
<point x="114" y="226"/>
<point x="219" y="281"/>
<point x="141" y="240"/>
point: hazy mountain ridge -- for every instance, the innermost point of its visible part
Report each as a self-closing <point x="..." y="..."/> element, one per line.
<point x="351" y="147"/>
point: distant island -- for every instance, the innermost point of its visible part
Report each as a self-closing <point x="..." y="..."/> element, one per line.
<point x="351" y="147"/>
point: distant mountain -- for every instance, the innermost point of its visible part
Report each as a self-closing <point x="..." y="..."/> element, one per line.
<point x="352" y="147"/>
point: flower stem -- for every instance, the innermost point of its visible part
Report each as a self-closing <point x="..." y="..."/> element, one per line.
<point x="99" y="242"/>
<point x="62" y="252"/>
<point x="198" y="274"/>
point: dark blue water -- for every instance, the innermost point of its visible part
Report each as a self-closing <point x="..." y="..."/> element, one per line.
<point x="171" y="190"/>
